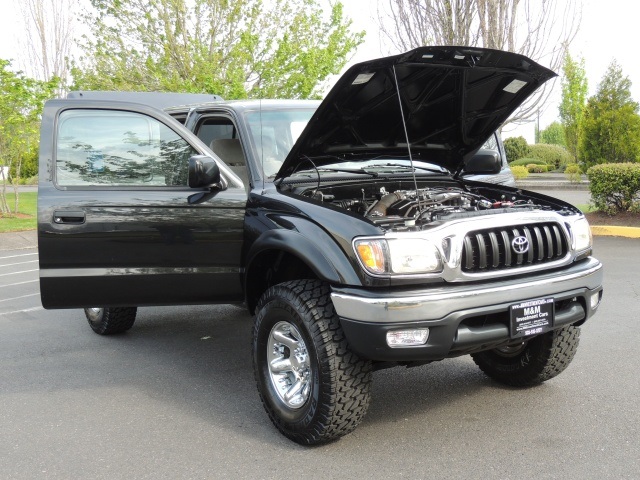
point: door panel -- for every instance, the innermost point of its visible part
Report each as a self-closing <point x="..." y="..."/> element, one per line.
<point x="115" y="225"/>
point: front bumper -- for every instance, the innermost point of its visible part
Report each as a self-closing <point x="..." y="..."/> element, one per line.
<point x="462" y="318"/>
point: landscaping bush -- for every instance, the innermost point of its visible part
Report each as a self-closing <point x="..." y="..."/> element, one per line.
<point x="527" y="161"/>
<point x="534" y="168"/>
<point x="553" y="155"/>
<point x="615" y="187"/>
<point x="516" y="148"/>
<point x="572" y="171"/>
<point x="519" y="172"/>
<point x="29" y="181"/>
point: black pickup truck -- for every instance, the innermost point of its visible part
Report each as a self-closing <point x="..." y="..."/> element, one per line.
<point x="350" y="228"/>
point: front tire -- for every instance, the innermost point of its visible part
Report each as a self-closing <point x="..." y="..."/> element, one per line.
<point x="532" y="362"/>
<point x="313" y="387"/>
<point x="108" y="321"/>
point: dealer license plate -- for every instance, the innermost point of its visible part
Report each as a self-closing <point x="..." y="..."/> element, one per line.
<point x="531" y="317"/>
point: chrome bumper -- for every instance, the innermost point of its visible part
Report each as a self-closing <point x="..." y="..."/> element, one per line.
<point x="438" y="302"/>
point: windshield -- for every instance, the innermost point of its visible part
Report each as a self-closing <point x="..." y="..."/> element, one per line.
<point x="274" y="132"/>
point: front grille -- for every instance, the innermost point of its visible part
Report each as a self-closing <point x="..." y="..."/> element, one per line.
<point x="491" y="249"/>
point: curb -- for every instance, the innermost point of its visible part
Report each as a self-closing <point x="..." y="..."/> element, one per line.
<point x="551" y="186"/>
<point x="614" y="231"/>
<point x="21" y="240"/>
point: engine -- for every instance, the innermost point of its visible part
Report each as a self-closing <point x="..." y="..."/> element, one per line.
<point x="410" y="209"/>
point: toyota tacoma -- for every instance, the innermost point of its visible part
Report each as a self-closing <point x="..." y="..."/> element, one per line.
<point x="358" y="231"/>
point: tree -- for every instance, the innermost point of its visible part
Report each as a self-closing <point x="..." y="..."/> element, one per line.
<point x="516" y="148"/>
<point x="21" y="102"/>
<point x="48" y="34"/>
<point x="572" y="105"/>
<point x="611" y="124"/>
<point x="539" y="29"/>
<point x="554" y="134"/>
<point x="239" y="49"/>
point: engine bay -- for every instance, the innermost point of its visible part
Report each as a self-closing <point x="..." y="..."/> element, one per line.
<point x="400" y="206"/>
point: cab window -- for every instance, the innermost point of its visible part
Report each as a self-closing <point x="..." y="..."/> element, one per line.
<point x="117" y="148"/>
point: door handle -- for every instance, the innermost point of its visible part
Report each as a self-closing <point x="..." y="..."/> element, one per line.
<point x="75" y="217"/>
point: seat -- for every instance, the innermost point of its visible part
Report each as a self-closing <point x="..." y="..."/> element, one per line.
<point x="230" y="152"/>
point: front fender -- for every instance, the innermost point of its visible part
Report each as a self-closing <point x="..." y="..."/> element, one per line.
<point x="314" y="247"/>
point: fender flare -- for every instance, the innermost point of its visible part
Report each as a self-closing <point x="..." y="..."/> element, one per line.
<point x="322" y="255"/>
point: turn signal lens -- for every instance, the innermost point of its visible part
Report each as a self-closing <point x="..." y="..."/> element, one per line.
<point x="371" y="253"/>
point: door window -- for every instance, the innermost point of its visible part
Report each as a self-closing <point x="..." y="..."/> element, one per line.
<point x="117" y="148"/>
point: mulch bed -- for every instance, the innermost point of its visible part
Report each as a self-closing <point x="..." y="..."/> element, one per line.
<point x="622" y="219"/>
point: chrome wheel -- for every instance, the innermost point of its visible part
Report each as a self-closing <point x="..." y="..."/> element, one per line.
<point x="289" y="365"/>
<point x="95" y="311"/>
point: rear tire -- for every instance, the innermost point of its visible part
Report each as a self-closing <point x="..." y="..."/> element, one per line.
<point x="107" y="321"/>
<point x="313" y="387"/>
<point x="532" y="362"/>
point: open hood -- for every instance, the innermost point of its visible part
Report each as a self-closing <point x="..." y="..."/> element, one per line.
<point x="452" y="98"/>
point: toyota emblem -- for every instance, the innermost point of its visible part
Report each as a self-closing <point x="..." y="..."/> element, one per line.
<point x="520" y="245"/>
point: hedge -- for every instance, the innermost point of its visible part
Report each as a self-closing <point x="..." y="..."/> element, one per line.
<point x="572" y="171"/>
<point x="615" y="187"/>
<point x="534" y="168"/>
<point x="520" y="171"/>
<point x="553" y="155"/>
<point x="527" y="161"/>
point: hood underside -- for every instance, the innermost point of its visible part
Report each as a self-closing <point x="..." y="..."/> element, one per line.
<point x="452" y="99"/>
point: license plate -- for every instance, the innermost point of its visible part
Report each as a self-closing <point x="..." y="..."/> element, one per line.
<point x="531" y="317"/>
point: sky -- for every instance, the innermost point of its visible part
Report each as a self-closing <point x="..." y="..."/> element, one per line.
<point x="608" y="31"/>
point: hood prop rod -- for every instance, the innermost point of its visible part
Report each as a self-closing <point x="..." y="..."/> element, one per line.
<point x="406" y="136"/>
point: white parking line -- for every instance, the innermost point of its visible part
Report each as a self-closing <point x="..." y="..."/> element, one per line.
<point x="21" y="255"/>
<point x="17" y="273"/>
<point x="22" y="311"/>
<point x="19" y="283"/>
<point x="22" y="296"/>
<point x="19" y="263"/>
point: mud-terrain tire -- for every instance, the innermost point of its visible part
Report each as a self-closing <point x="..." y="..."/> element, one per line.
<point x="107" y="321"/>
<point x="532" y="362"/>
<point x="313" y="387"/>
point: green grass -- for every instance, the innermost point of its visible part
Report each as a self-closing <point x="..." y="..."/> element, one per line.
<point x="586" y="208"/>
<point x="27" y="206"/>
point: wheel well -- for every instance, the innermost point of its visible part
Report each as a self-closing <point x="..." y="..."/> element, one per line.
<point x="270" y="268"/>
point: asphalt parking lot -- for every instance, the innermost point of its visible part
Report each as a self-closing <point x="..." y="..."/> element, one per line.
<point x="175" y="398"/>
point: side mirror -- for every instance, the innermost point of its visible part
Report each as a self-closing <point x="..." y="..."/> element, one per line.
<point x="484" y="162"/>
<point x="203" y="171"/>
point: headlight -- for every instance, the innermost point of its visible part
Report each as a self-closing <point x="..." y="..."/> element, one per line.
<point x="398" y="256"/>
<point x="581" y="233"/>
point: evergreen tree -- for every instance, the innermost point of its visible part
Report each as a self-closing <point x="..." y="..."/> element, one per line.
<point x="611" y="124"/>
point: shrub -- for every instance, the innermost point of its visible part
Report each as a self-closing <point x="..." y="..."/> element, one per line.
<point x="615" y="187"/>
<point x="553" y="155"/>
<point x="29" y="180"/>
<point x="534" y="168"/>
<point x="519" y="172"/>
<point x="516" y="148"/>
<point x="29" y="166"/>
<point x="527" y="161"/>
<point x="572" y="171"/>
